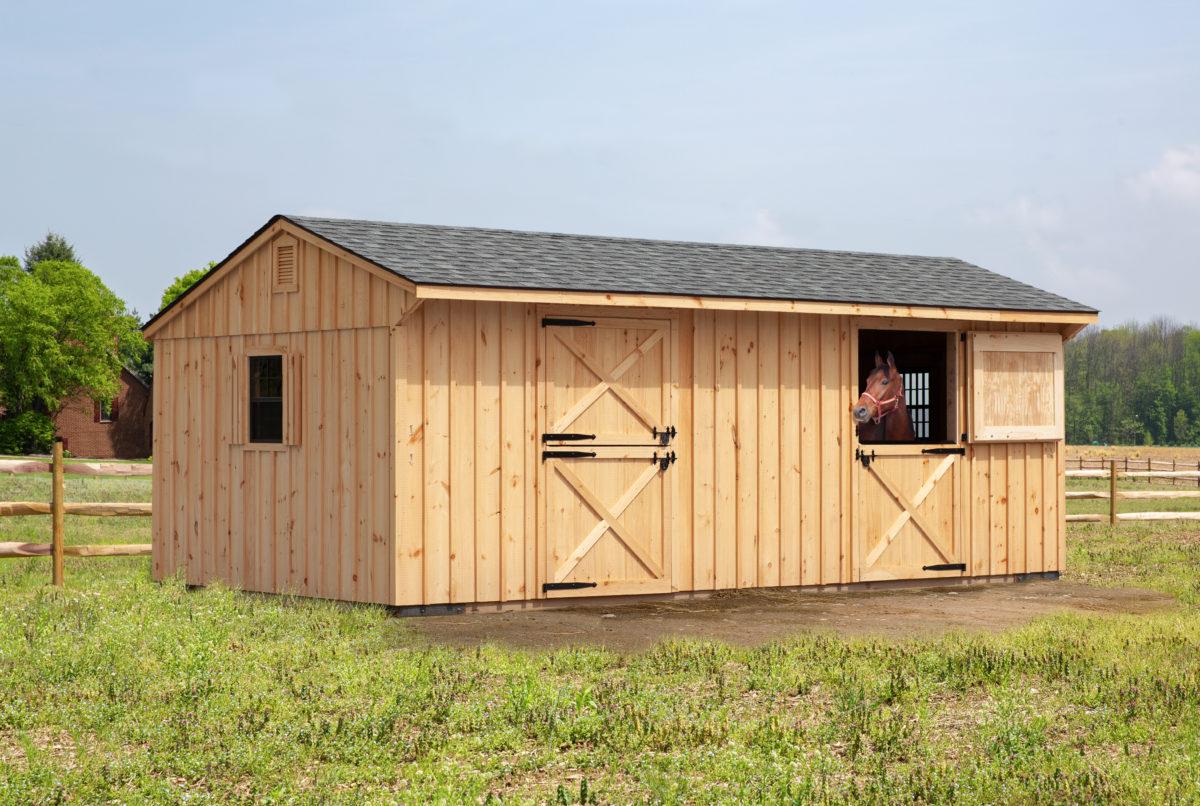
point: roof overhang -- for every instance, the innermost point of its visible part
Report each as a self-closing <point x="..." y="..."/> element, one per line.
<point x="599" y="298"/>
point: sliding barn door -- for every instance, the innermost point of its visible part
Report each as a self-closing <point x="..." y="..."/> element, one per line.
<point x="606" y="424"/>
<point x="906" y="512"/>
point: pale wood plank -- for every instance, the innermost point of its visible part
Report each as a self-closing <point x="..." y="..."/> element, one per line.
<point x="359" y="462"/>
<point x="532" y="442"/>
<point x="1055" y="516"/>
<point x="810" y="450"/>
<point x="832" y="414"/>
<point x="848" y="345"/>
<point x="980" y="531"/>
<point x="209" y="426"/>
<point x="790" y="564"/>
<point x="1015" y="470"/>
<point x="998" y="509"/>
<point x="411" y="450"/>
<point x="163" y="474"/>
<point x="513" y="474"/>
<point x="683" y="477"/>
<point x="769" y="450"/>
<point x="347" y="426"/>
<point x="311" y="472"/>
<point x="726" y="441"/>
<point x="237" y="473"/>
<point x="488" y="438"/>
<point x="462" y="452"/>
<point x="703" y="475"/>
<point x="747" y="450"/>
<point x="437" y="453"/>
<point x="329" y="291"/>
<point x="382" y="481"/>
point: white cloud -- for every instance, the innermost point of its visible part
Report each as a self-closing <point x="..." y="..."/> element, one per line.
<point x="1048" y="236"/>
<point x="1176" y="177"/>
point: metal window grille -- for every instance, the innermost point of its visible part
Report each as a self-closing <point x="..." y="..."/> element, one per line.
<point x="918" y="398"/>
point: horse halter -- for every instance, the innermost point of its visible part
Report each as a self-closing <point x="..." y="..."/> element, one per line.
<point x="895" y="399"/>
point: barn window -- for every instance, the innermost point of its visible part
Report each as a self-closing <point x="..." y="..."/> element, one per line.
<point x="266" y="398"/>
<point x="926" y="360"/>
<point x="269" y="388"/>
<point x="104" y="412"/>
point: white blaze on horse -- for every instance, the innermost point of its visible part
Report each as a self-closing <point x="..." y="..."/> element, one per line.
<point x="880" y="412"/>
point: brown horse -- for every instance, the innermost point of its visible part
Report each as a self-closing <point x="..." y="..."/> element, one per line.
<point x="880" y="411"/>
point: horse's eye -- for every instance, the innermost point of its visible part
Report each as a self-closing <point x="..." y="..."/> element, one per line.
<point x="885" y="380"/>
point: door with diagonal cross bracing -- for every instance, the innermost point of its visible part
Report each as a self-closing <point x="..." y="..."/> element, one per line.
<point x="906" y="513"/>
<point x="606" y="414"/>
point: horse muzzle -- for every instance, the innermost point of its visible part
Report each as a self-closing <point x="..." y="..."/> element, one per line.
<point x="860" y="414"/>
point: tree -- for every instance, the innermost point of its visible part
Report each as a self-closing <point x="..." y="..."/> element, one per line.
<point x="1180" y="428"/>
<point x="60" y="330"/>
<point x="183" y="283"/>
<point x="137" y="354"/>
<point x="52" y="247"/>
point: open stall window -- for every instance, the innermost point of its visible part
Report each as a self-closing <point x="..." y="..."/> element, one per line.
<point x="927" y="361"/>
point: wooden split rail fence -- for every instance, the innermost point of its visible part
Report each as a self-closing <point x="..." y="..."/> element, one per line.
<point x="1113" y="495"/>
<point x="58" y="507"/>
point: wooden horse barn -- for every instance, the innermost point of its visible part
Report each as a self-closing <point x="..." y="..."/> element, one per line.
<point x="421" y="415"/>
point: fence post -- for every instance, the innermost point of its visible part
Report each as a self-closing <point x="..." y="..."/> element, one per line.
<point x="1112" y="492"/>
<point x="56" y="513"/>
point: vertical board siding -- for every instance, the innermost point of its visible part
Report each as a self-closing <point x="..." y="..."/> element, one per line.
<point x="306" y="519"/>
<point x="465" y="469"/>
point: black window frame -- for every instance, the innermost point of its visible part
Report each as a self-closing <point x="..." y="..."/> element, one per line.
<point x="265" y="408"/>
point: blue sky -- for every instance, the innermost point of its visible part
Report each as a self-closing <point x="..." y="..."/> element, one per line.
<point x="1057" y="143"/>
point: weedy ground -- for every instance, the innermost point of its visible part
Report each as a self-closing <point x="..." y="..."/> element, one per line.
<point x="120" y="690"/>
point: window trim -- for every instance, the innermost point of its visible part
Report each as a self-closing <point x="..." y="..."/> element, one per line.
<point x="290" y="366"/>
<point x="953" y="397"/>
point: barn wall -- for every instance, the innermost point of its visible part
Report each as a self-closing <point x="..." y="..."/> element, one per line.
<point x="1017" y="498"/>
<point x="765" y="447"/>
<point x="465" y="453"/>
<point x="314" y="518"/>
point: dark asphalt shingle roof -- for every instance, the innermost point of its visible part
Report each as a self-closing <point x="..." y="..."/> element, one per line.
<point x="463" y="256"/>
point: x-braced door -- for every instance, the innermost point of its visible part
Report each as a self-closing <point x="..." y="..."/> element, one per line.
<point x="606" y="419"/>
<point x="906" y="513"/>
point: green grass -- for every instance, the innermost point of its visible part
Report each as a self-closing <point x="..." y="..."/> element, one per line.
<point x="121" y="690"/>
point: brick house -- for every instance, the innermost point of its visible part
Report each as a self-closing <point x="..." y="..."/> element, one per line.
<point x="119" y="431"/>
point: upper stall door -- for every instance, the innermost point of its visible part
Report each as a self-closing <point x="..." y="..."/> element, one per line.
<point x="607" y="487"/>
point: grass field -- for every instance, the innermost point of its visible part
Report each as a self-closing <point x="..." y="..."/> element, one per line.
<point x="118" y="690"/>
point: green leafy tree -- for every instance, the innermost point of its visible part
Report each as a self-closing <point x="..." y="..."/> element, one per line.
<point x="53" y="247"/>
<point x="1179" y="428"/>
<point x="183" y="283"/>
<point x="60" y="332"/>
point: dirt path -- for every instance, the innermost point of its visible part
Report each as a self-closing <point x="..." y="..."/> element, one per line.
<point x="758" y="617"/>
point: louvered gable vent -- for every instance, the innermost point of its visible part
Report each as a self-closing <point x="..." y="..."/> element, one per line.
<point x="284" y="270"/>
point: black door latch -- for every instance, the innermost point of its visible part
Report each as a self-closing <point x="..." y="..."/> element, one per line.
<point x="863" y="456"/>
<point x="566" y="586"/>
<point x="568" y="455"/>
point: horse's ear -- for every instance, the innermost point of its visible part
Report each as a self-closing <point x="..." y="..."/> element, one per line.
<point x="878" y="360"/>
<point x="891" y="360"/>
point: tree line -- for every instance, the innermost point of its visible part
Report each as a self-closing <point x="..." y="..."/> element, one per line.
<point x="1136" y="384"/>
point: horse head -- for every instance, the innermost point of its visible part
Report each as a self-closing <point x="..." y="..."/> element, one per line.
<point x="884" y="392"/>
